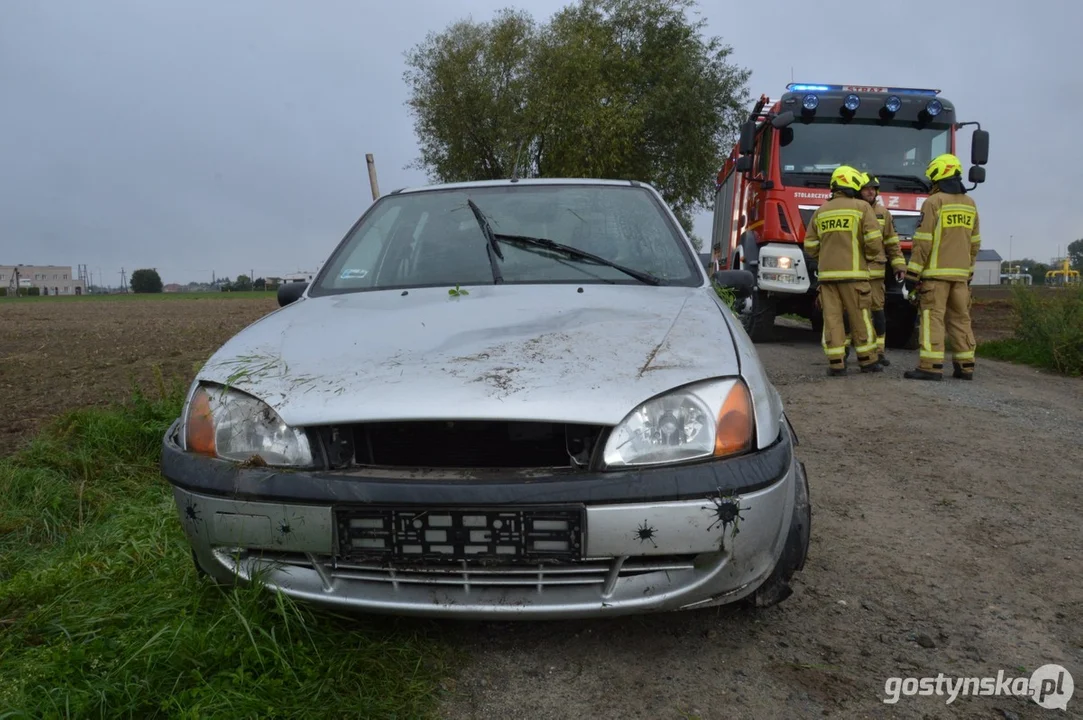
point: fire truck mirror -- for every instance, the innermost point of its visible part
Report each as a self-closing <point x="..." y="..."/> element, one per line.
<point x="977" y="175"/>
<point x="748" y="138"/>
<point x="782" y="120"/>
<point x="744" y="163"/>
<point x="979" y="147"/>
<point x="740" y="281"/>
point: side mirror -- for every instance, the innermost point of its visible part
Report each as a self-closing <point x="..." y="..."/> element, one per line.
<point x="741" y="281"/>
<point x="977" y="175"/>
<point x="748" y="138"/>
<point x="744" y="163"/>
<point x="782" y="120"/>
<point x="289" y="292"/>
<point x="979" y="147"/>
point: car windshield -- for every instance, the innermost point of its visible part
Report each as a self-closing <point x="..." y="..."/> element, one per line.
<point x="432" y="238"/>
<point x="820" y="147"/>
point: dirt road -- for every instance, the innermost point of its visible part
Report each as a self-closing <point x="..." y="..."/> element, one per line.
<point x="946" y="538"/>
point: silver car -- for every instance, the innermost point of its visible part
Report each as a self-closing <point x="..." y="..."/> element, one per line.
<point x="506" y="399"/>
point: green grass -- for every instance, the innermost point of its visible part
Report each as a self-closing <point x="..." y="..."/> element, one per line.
<point x="1048" y="333"/>
<point x="121" y="297"/>
<point x="103" y="615"/>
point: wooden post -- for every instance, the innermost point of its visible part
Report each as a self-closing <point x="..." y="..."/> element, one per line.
<point x="372" y="176"/>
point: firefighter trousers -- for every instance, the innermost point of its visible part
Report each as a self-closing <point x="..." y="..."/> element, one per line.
<point x="945" y="309"/>
<point x="848" y="300"/>
<point x="879" y="317"/>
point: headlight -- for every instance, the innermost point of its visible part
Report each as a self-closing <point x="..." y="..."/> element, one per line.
<point x="709" y="419"/>
<point x="235" y="426"/>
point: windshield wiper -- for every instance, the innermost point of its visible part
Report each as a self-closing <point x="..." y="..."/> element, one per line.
<point x="575" y="252"/>
<point x="492" y="248"/>
<point x="911" y="179"/>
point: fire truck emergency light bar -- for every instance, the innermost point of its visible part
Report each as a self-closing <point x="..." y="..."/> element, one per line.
<point x="799" y="87"/>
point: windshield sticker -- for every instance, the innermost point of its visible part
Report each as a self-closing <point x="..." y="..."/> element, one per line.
<point x="353" y="274"/>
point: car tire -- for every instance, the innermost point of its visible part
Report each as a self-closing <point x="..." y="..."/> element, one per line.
<point x="777" y="587"/>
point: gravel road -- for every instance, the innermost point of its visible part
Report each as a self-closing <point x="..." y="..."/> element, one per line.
<point x="946" y="538"/>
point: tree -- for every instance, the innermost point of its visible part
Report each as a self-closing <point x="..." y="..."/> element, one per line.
<point x="243" y="283"/>
<point x="146" y="280"/>
<point x="259" y="284"/>
<point x="1075" y="254"/>
<point x="607" y="88"/>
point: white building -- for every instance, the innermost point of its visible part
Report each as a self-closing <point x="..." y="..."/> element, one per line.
<point x="49" y="279"/>
<point x="987" y="268"/>
<point x="299" y="276"/>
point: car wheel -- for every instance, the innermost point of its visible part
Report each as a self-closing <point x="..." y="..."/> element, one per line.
<point x="777" y="587"/>
<point x="757" y="314"/>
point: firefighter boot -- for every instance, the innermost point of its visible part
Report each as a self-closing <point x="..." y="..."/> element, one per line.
<point x="874" y="368"/>
<point x="922" y="375"/>
<point x="958" y="374"/>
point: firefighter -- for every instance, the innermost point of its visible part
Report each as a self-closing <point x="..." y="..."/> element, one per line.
<point x="890" y="252"/>
<point x="842" y="237"/>
<point x="941" y="267"/>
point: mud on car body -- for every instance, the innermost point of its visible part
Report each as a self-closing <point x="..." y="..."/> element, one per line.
<point x="497" y="400"/>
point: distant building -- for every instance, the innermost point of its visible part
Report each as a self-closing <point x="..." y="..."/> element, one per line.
<point x="299" y="276"/>
<point x="49" y="279"/>
<point x="173" y="287"/>
<point x="987" y="268"/>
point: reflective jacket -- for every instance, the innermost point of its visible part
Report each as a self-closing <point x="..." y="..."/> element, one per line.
<point x="891" y="249"/>
<point x="947" y="240"/>
<point x="843" y="236"/>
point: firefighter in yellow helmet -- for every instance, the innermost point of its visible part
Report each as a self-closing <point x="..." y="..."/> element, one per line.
<point x="842" y="237"/>
<point x="941" y="267"/>
<point x="890" y="252"/>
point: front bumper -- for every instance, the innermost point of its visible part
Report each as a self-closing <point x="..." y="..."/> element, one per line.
<point x="654" y="540"/>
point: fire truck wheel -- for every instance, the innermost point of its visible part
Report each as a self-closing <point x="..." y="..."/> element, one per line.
<point x="757" y="314"/>
<point x="902" y="331"/>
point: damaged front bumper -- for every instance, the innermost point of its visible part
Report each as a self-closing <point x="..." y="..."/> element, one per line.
<point x="651" y="539"/>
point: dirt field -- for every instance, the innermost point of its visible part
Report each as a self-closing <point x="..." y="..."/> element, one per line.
<point x="946" y="535"/>
<point x="61" y="354"/>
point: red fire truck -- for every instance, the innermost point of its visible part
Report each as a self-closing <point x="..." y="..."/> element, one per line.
<point x="779" y="173"/>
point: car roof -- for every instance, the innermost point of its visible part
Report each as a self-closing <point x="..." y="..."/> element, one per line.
<point x="523" y="181"/>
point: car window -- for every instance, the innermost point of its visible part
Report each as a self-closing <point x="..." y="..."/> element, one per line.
<point x="432" y="238"/>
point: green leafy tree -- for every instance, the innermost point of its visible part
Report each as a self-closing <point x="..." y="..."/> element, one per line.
<point x="607" y="88"/>
<point x="1075" y="254"/>
<point x="259" y="284"/>
<point x="146" y="280"/>
<point x="243" y="283"/>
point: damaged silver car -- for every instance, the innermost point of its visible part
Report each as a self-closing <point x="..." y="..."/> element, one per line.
<point x="506" y="399"/>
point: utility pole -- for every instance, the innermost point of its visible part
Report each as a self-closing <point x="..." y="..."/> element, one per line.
<point x="1010" y="237"/>
<point x="123" y="280"/>
<point x="372" y="176"/>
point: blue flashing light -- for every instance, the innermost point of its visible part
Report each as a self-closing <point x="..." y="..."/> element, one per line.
<point x="804" y="87"/>
<point x="810" y="102"/>
<point x="893" y="104"/>
<point x="934" y="107"/>
<point x="851" y="102"/>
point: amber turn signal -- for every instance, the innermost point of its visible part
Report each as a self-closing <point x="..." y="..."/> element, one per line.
<point x="199" y="433"/>
<point x="736" y="422"/>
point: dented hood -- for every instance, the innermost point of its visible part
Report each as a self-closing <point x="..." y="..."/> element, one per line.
<point x="527" y="352"/>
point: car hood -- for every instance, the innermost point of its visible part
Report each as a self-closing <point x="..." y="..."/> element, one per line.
<point x="526" y="352"/>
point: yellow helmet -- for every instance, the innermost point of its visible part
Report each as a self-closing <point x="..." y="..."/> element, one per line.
<point x="943" y="167"/>
<point x="848" y="177"/>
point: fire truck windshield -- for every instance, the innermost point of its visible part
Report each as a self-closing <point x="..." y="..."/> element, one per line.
<point x="895" y="153"/>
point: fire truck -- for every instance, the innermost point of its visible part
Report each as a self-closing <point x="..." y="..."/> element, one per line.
<point x="779" y="172"/>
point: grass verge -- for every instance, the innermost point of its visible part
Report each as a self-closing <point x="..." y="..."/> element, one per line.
<point x="103" y="615"/>
<point x="1048" y="331"/>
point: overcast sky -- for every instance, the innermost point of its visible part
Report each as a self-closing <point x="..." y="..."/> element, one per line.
<point x="205" y="135"/>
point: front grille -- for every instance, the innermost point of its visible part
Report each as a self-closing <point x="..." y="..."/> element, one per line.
<point x="601" y="572"/>
<point x="461" y="444"/>
<point x="447" y="535"/>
